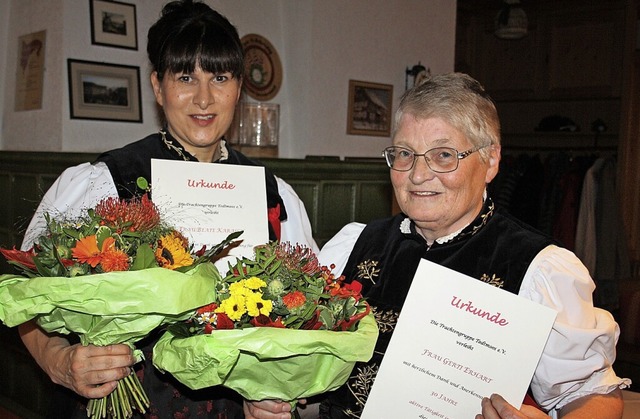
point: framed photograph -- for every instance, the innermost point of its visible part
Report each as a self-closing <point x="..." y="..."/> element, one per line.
<point x="369" y="110"/>
<point x="113" y="24"/>
<point x="109" y="92"/>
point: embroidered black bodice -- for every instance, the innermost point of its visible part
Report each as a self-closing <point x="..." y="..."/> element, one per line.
<point x="494" y="248"/>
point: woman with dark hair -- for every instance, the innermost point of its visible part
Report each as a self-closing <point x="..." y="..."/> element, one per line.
<point x="197" y="65"/>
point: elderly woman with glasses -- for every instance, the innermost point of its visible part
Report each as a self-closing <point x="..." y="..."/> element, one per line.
<point x="446" y="149"/>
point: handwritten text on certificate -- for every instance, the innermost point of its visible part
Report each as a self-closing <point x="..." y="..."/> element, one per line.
<point x="457" y="340"/>
<point x="207" y="202"/>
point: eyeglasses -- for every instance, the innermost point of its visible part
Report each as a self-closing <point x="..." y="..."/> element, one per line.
<point x="439" y="159"/>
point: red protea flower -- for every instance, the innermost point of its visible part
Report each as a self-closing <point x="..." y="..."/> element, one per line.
<point x="300" y="258"/>
<point x="138" y="214"/>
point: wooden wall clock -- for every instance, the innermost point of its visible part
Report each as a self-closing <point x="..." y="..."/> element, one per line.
<point x="262" y="68"/>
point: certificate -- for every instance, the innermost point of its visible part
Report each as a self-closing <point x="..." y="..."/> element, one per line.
<point x="207" y="202"/>
<point x="457" y="340"/>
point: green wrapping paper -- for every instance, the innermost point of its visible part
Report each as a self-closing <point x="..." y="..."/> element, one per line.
<point x="267" y="363"/>
<point x="108" y="308"/>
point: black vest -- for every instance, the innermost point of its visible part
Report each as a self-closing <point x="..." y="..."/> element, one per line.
<point x="496" y="248"/>
<point x="132" y="161"/>
<point x="126" y="165"/>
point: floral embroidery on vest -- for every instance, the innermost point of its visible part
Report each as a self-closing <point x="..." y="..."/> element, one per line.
<point x="368" y="270"/>
<point x="360" y="385"/>
<point x="363" y="376"/>
<point x="492" y="280"/>
<point x="386" y="320"/>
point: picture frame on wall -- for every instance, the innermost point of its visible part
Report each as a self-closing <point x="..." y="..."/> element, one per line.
<point x="113" y="24"/>
<point x="369" y="111"/>
<point x="103" y="91"/>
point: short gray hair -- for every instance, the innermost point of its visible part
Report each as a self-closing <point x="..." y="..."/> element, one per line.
<point x="459" y="100"/>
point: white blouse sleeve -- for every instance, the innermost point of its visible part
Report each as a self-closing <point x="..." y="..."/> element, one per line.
<point x="76" y="189"/>
<point x="578" y="357"/>
<point x="296" y="228"/>
<point x="337" y="250"/>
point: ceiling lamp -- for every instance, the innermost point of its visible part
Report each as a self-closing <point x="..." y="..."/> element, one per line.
<point x="511" y="21"/>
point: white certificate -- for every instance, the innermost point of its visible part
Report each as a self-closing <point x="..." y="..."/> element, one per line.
<point x="207" y="202"/>
<point x="457" y="340"/>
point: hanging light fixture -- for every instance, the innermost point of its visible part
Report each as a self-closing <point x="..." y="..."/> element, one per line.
<point x="511" y="21"/>
<point x="415" y="75"/>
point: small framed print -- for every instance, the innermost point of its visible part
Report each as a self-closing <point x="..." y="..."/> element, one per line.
<point x="113" y="24"/>
<point x="369" y="111"/>
<point x="104" y="91"/>
<point x="30" y="71"/>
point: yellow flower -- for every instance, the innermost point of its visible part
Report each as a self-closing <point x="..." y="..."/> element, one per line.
<point x="171" y="252"/>
<point x="238" y="289"/>
<point x="257" y="306"/>
<point x="254" y="283"/>
<point x="234" y="307"/>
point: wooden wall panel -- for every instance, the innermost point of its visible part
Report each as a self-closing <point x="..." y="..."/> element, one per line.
<point x="629" y="164"/>
<point x="582" y="56"/>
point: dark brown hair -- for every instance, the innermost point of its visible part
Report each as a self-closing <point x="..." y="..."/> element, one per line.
<point x="190" y="33"/>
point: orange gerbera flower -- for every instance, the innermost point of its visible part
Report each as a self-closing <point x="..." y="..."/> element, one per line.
<point x="86" y="251"/>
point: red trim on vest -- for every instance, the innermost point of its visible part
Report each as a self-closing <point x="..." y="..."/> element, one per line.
<point x="274" y="219"/>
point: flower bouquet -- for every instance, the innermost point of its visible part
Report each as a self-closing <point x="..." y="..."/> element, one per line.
<point x="280" y="327"/>
<point x="110" y="277"/>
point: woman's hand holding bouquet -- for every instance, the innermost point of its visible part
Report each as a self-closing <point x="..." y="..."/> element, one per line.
<point x="110" y="277"/>
<point x="90" y="371"/>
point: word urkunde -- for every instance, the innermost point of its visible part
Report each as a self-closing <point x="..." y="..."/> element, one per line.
<point x="470" y="308"/>
<point x="192" y="183"/>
